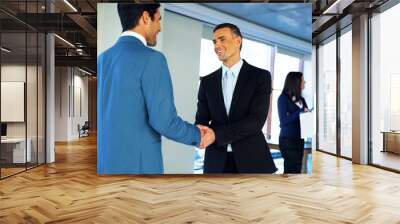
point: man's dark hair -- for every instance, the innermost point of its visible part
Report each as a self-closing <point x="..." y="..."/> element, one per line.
<point x="292" y="85"/>
<point x="130" y="13"/>
<point x="235" y="30"/>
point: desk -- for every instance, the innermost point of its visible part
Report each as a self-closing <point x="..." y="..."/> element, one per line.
<point x="391" y="141"/>
<point x="13" y="150"/>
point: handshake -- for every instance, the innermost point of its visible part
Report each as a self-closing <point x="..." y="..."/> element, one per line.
<point x="207" y="136"/>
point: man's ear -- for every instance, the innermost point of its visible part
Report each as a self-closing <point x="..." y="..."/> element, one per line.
<point x="145" y="17"/>
<point x="239" y="40"/>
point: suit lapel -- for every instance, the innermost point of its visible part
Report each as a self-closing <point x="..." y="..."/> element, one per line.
<point x="240" y="83"/>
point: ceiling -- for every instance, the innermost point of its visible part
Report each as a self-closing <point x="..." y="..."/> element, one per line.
<point x="77" y="24"/>
<point x="293" y="19"/>
<point x="329" y="16"/>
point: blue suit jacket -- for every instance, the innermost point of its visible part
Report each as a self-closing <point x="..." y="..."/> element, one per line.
<point x="135" y="106"/>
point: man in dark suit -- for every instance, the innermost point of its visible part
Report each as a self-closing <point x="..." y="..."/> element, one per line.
<point x="233" y="101"/>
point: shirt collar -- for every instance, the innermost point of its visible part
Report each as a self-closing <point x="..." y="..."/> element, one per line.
<point x="235" y="68"/>
<point x="134" y="34"/>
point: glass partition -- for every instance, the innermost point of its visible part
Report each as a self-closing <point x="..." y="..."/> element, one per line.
<point x="327" y="96"/>
<point x="346" y="93"/>
<point x="14" y="152"/>
<point x="22" y="88"/>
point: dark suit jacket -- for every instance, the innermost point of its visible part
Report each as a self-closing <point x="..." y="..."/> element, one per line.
<point x="243" y="127"/>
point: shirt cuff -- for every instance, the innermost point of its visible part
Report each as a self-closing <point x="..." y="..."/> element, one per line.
<point x="197" y="137"/>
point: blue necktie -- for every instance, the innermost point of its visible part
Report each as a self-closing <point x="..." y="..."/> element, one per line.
<point x="228" y="89"/>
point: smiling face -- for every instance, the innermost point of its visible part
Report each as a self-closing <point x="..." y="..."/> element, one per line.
<point x="227" y="45"/>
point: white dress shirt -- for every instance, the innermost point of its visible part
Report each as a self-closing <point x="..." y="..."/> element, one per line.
<point x="134" y="34"/>
<point x="229" y="79"/>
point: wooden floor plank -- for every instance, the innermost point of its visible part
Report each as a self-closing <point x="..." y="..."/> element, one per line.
<point x="70" y="191"/>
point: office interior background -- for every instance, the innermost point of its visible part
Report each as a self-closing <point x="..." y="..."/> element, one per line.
<point x="48" y="87"/>
<point x="44" y="83"/>
<point x="48" y="72"/>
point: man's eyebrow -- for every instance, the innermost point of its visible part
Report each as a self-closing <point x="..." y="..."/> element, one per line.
<point x="220" y="37"/>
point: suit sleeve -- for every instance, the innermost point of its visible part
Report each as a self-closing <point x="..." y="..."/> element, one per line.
<point x="304" y="103"/>
<point x="203" y="113"/>
<point x="284" y="116"/>
<point x="254" y="122"/>
<point x="159" y="100"/>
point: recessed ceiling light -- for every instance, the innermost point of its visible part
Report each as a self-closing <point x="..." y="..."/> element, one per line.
<point x="84" y="71"/>
<point x="338" y="6"/>
<point x="5" y="50"/>
<point x="70" y="5"/>
<point x="64" y="40"/>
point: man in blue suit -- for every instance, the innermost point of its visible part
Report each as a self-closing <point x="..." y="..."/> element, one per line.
<point x="135" y="99"/>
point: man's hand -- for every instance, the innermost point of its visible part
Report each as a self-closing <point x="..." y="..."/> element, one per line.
<point x="207" y="136"/>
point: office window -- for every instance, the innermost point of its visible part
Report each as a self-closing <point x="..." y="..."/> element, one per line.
<point x="346" y="94"/>
<point x="385" y="89"/>
<point x="256" y="53"/>
<point x="284" y="64"/>
<point x="209" y="61"/>
<point x="309" y="77"/>
<point x="327" y="96"/>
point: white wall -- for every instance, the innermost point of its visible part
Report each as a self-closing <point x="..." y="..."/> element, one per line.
<point x="183" y="54"/>
<point x="33" y="126"/>
<point x="81" y="82"/>
<point x="13" y="72"/>
<point x="61" y="103"/>
<point x="16" y="72"/>
<point x="108" y="26"/>
<point x="67" y="85"/>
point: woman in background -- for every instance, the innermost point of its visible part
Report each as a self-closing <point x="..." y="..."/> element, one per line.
<point x="290" y="105"/>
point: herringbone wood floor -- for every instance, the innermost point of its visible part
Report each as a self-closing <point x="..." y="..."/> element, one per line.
<point x="70" y="191"/>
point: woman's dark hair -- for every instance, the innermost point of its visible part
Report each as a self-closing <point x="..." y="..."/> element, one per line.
<point x="130" y="13"/>
<point x="292" y="85"/>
